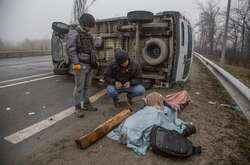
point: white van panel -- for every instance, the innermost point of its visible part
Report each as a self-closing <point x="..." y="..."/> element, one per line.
<point x="182" y="51"/>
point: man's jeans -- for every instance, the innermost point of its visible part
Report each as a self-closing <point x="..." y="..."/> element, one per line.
<point x="133" y="91"/>
<point x="82" y="83"/>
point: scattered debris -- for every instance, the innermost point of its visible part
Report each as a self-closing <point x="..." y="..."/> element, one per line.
<point x="233" y="107"/>
<point x="8" y="108"/>
<point x="101" y="80"/>
<point x="51" y="119"/>
<point x="44" y="107"/>
<point x="27" y="93"/>
<point x="212" y="102"/>
<point x="197" y="93"/>
<point x="31" y="113"/>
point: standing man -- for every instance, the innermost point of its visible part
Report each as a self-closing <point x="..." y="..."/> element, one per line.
<point x="124" y="76"/>
<point x="81" y="52"/>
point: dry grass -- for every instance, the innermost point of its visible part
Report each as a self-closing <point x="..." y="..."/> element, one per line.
<point x="242" y="74"/>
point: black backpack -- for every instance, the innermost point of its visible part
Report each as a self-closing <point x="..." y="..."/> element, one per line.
<point x="170" y="143"/>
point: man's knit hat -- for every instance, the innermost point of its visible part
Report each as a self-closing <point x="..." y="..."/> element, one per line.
<point x="121" y="56"/>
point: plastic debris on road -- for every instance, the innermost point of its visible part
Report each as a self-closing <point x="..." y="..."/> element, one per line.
<point x="212" y="102"/>
<point x="8" y="108"/>
<point x="197" y="93"/>
<point x="232" y="107"/>
<point x="31" y="113"/>
<point x="27" y="93"/>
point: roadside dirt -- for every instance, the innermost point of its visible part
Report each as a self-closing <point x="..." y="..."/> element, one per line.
<point x="223" y="133"/>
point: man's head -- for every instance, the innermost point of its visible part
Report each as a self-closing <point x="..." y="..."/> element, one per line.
<point x="86" y="21"/>
<point x="122" y="58"/>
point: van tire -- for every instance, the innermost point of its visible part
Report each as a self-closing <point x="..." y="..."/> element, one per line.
<point x="61" y="68"/>
<point x="163" y="51"/>
<point x="61" y="71"/>
<point x="140" y="16"/>
<point x="60" y="27"/>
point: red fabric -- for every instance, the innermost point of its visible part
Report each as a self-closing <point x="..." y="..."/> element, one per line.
<point x="176" y="100"/>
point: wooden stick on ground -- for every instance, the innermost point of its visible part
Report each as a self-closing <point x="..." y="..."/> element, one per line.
<point x="88" y="139"/>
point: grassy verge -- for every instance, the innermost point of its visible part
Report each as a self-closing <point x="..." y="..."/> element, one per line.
<point x="242" y="74"/>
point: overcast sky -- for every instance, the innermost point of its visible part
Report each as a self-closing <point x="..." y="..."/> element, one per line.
<point x="22" y="19"/>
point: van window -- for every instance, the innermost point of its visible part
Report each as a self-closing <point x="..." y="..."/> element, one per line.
<point x="182" y="33"/>
<point x="190" y="43"/>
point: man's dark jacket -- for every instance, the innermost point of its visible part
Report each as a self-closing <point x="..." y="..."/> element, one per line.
<point x="116" y="72"/>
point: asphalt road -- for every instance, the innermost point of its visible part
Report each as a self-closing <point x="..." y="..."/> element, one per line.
<point x="34" y="95"/>
<point x="28" y="102"/>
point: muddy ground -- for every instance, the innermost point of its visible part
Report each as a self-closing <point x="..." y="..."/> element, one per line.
<point x="223" y="133"/>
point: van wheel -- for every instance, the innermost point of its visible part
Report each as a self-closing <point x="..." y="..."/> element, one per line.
<point x="140" y="16"/>
<point x="60" y="27"/>
<point x="155" y="51"/>
<point x="56" y="48"/>
<point x="61" y="69"/>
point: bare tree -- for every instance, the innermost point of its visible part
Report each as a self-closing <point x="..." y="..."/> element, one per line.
<point x="208" y="30"/>
<point x="79" y="7"/>
<point x="224" y="44"/>
<point x="234" y="34"/>
<point x="241" y="17"/>
<point x="1" y="44"/>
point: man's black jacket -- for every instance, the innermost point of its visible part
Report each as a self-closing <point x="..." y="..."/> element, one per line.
<point x="116" y="72"/>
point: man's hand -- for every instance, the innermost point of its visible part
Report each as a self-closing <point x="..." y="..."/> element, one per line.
<point x="118" y="85"/>
<point x="77" y="67"/>
<point x="127" y="84"/>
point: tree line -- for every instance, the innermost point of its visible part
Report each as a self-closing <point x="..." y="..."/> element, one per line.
<point x="27" y="44"/>
<point x="210" y="28"/>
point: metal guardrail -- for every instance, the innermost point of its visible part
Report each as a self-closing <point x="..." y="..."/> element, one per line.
<point x="24" y="53"/>
<point x="238" y="91"/>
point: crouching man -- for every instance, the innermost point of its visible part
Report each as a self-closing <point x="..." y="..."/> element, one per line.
<point x="124" y="76"/>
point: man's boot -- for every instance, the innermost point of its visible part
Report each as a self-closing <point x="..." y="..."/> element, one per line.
<point x="129" y="100"/>
<point x="79" y="111"/>
<point x="116" y="102"/>
<point x="189" y="130"/>
<point x="87" y="106"/>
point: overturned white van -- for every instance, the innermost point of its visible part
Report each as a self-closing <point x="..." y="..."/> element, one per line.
<point x="161" y="43"/>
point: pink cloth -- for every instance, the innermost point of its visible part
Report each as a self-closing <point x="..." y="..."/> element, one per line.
<point x="176" y="100"/>
<point x="155" y="99"/>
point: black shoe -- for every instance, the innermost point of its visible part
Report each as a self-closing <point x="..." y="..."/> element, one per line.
<point x="79" y="111"/>
<point x="189" y="130"/>
<point x="129" y="100"/>
<point x="116" y="103"/>
<point x="89" y="107"/>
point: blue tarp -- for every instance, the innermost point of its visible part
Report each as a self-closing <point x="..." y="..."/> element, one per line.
<point x="135" y="130"/>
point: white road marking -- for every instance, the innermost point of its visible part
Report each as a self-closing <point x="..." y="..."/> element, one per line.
<point x="28" y="81"/>
<point x="25" y="133"/>
<point x="28" y="64"/>
<point x="22" y="78"/>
